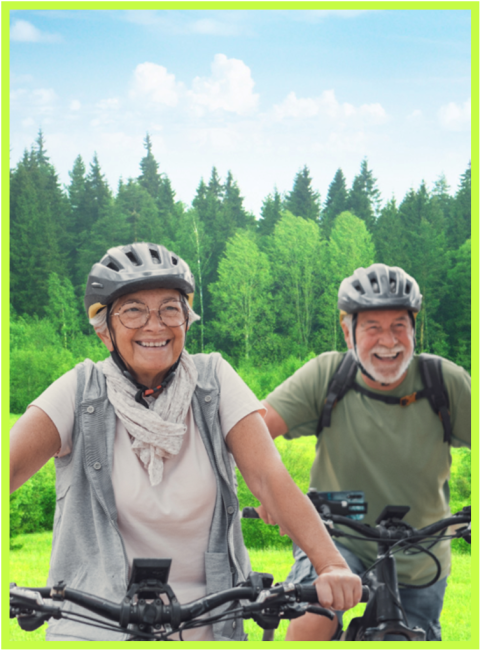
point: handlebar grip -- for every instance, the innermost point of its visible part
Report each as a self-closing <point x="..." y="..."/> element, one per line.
<point x="250" y="513"/>
<point x="308" y="594"/>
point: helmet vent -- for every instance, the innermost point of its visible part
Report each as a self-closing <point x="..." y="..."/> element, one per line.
<point x="358" y="287"/>
<point x="132" y="258"/>
<point x="155" y="256"/>
<point x="174" y="260"/>
<point x="393" y="286"/>
<point x="408" y="287"/>
<point x="375" y="286"/>
<point x="113" y="266"/>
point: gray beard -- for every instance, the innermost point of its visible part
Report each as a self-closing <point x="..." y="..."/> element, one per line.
<point x="387" y="378"/>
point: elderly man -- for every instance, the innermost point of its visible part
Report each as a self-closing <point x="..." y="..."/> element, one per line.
<point x="380" y="431"/>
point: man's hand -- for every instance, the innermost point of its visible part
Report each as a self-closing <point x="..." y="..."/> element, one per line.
<point x="338" y="588"/>
<point x="267" y="518"/>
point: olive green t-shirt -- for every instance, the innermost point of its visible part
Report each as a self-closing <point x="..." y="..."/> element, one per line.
<point x="395" y="454"/>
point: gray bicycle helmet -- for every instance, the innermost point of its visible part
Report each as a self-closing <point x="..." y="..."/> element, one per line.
<point x="138" y="266"/>
<point x="379" y="287"/>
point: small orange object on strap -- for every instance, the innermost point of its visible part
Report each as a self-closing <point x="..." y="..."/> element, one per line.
<point x="408" y="399"/>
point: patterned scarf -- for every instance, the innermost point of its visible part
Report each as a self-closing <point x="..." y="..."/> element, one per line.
<point x="158" y="431"/>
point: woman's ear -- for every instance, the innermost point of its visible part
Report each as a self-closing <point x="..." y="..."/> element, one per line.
<point x="106" y="339"/>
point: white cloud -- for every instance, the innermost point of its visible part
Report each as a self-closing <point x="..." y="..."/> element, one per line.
<point x="327" y="104"/>
<point x="28" y="122"/>
<point x="24" y="32"/>
<point x="153" y="82"/>
<point x="215" y="28"/>
<point x="375" y="112"/>
<point x="75" y="105"/>
<point x="44" y="96"/>
<point x="455" y="117"/>
<point x="110" y="104"/>
<point x="230" y="88"/>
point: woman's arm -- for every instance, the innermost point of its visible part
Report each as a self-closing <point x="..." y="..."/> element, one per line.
<point x="260" y="464"/>
<point x="34" y="439"/>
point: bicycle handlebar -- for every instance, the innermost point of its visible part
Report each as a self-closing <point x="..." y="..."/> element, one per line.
<point x="401" y="531"/>
<point x="281" y="600"/>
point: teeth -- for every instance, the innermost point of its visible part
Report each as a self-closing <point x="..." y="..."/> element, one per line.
<point x="152" y="345"/>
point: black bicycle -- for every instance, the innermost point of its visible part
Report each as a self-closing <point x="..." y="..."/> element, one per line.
<point x="384" y="615"/>
<point x="150" y="610"/>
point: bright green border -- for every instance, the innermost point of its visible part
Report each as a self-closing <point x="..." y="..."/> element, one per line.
<point x="5" y="11"/>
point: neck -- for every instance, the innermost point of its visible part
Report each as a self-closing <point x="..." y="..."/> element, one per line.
<point x="371" y="383"/>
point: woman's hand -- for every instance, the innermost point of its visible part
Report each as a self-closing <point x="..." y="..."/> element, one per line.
<point x="338" y="588"/>
<point x="267" y="517"/>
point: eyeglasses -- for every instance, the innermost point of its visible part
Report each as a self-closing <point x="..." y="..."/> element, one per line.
<point x="134" y="315"/>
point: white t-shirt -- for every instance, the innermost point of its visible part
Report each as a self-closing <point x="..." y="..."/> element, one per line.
<point x="172" y="519"/>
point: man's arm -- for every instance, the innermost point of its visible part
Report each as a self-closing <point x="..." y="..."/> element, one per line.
<point x="260" y="465"/>
<point x="275" y="424"/>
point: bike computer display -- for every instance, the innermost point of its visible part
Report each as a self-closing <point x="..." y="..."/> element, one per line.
<point x="349" y="503"/>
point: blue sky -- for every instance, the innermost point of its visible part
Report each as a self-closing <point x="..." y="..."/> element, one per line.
<point x="260" y="93"/>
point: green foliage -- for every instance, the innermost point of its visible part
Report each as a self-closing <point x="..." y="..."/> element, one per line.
<point x="38" y="356"/>
<point x="241" y="297"/>
<point x="297" y="261"/>
<point x="32" y="506"/>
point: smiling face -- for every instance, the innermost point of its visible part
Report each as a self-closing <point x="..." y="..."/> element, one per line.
<point x="149" y="351"/>
<point x="384" y="345"/>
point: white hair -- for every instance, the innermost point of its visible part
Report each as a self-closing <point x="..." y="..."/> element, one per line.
<point x="99" y="321"/>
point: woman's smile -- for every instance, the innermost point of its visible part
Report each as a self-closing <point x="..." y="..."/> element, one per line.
<point x="148" y="351"/>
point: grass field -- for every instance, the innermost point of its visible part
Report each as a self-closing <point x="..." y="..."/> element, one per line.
<point x="30" y="555"/>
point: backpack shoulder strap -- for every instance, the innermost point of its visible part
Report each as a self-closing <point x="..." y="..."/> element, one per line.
<point x="340" y="383"/>
<point x="435" y="391"/>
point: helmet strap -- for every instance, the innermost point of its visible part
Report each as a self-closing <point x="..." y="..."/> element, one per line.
<point x="143" y="390"/>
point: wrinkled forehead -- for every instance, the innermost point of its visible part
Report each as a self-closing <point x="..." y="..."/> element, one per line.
<point x="383" y="317"/>
<point x="150" y="297"/>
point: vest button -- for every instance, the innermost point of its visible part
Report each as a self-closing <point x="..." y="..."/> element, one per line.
<point x="234" y="624"/>
<point x="230" y="510"/>
<point x="97" y="465"/>
<point x="208" y="398"/>
<point x="90" y="409"/>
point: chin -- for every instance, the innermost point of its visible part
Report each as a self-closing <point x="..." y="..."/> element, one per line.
<point x="388" y="376"/>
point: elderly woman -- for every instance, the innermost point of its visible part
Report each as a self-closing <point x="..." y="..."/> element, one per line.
<point x="145" y="444"/>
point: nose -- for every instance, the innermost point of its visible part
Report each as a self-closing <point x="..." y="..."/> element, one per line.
<point x="387" y="338"/>
<point x="154" y="320"/>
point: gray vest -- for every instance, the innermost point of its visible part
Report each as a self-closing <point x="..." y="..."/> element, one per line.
<point x="87" y="549"/>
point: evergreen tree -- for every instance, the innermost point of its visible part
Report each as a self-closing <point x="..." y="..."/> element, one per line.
<point x="271" y="213"/>
<point x="99" y="195"/>
<point x="149" y="178"/>
<point x="459" y="226"/>
<point x="303" y="201"/>
<point x="234" y="214"/>
<point x="336" y="202"/>
<point x="78" y="201"/>
<point x="364" y="197"/>
<point x="135" y="207"/>
<point x="387" y="235"/>
<point x="38" y="240"/>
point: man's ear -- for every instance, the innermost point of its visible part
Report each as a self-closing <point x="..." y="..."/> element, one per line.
<point x="347" y="335"/>
<point x="104" y="336"/>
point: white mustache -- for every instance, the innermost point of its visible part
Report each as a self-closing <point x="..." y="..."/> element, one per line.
<point x="379" y="349"/>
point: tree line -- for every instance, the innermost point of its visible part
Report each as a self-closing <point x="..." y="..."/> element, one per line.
<point x="265" y="287"/>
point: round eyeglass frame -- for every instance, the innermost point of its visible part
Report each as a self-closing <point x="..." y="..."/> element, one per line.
<point x="149" y="311"/>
